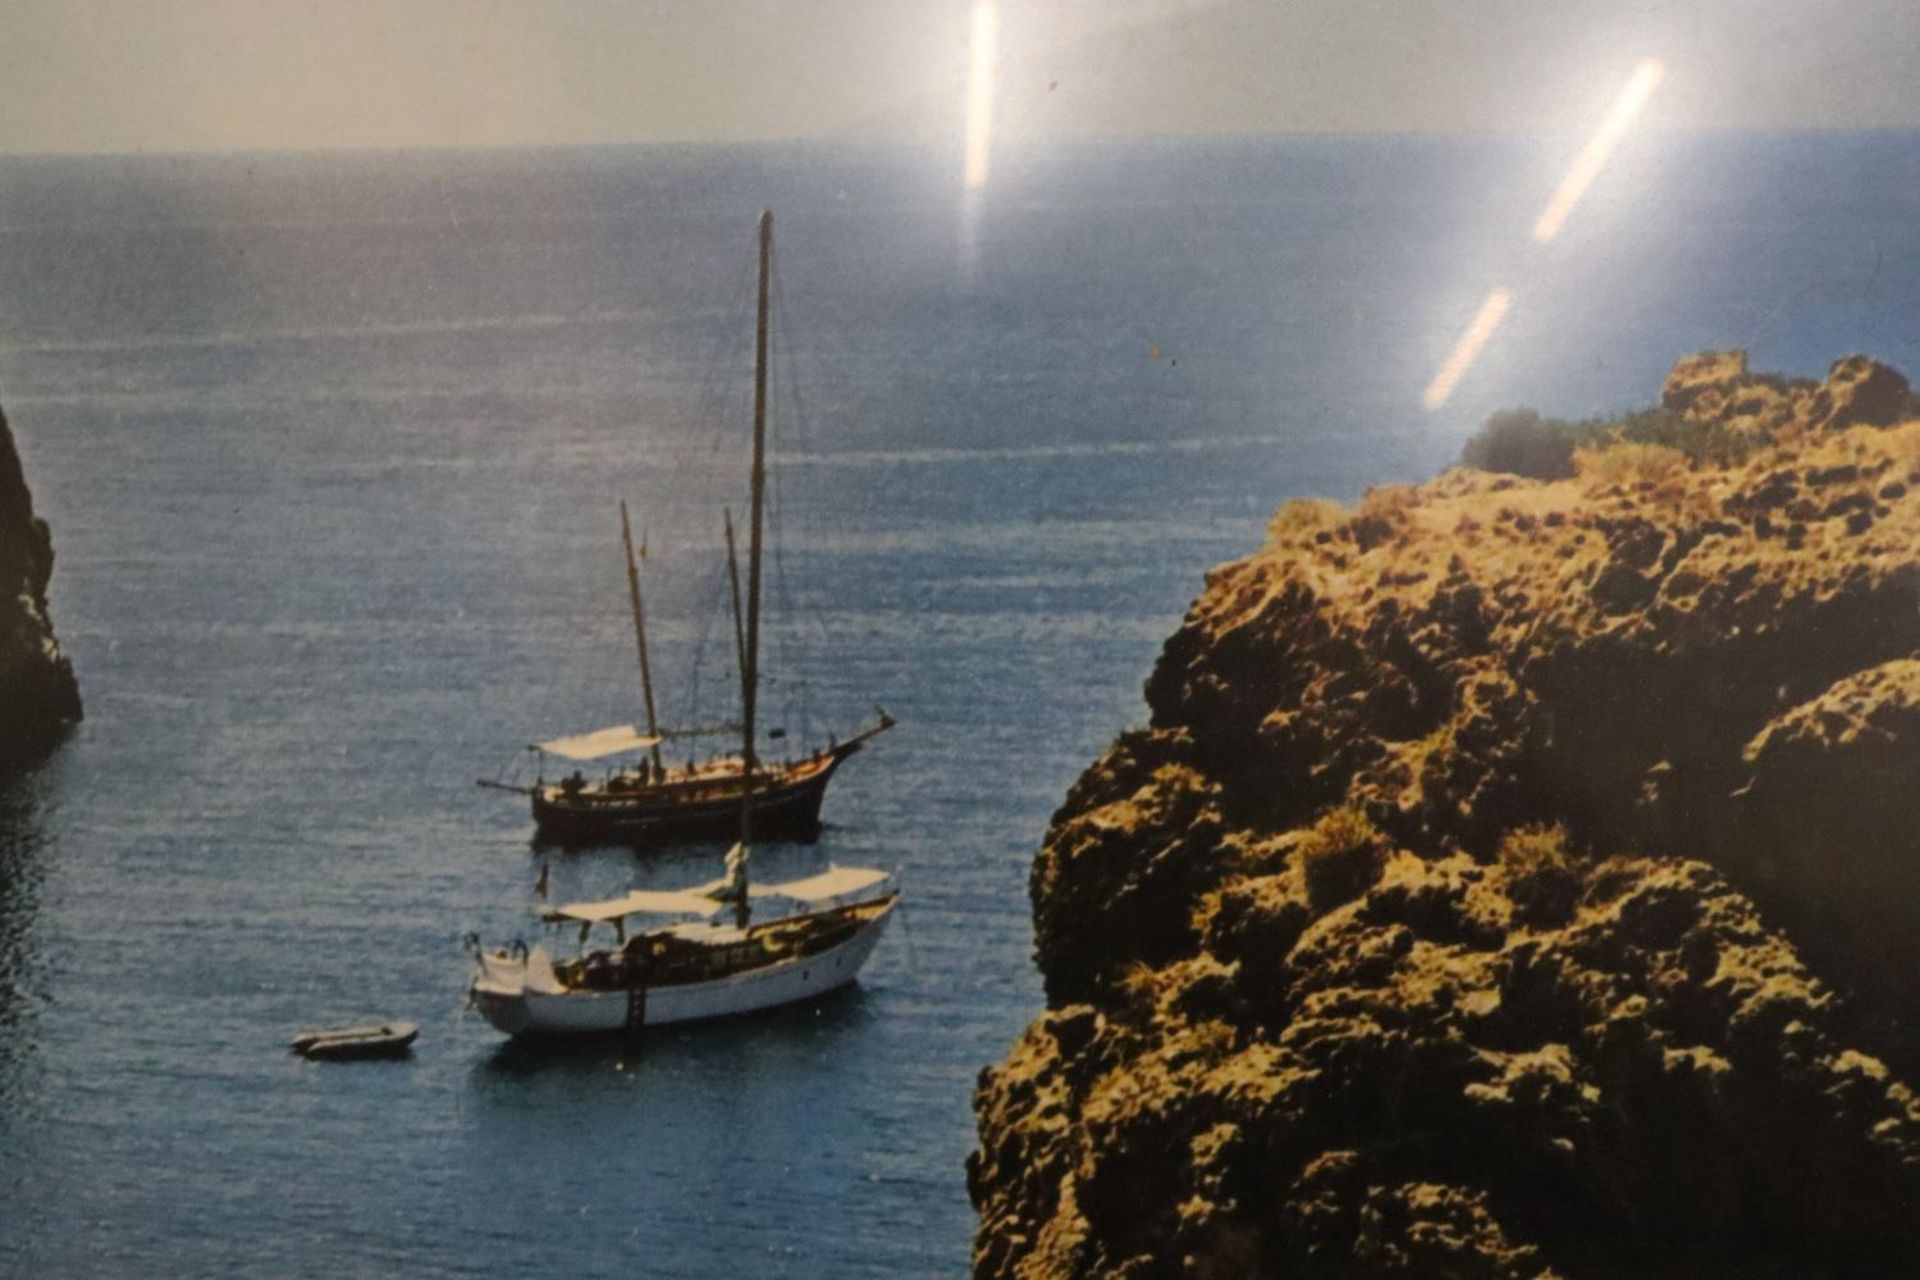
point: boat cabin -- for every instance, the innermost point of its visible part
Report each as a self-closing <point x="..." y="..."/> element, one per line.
<point x="813" y="915"/>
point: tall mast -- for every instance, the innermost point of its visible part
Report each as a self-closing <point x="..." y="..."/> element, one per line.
<point x="739" y="624"/>
<point x="751" y="680"/>
<point x="640" y="630"/>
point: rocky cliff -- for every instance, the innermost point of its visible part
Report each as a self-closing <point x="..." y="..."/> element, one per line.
<point x="1515" y="878"/>
<point x="38" y="697"/>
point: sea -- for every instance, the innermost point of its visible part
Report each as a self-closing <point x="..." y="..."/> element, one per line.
<point x="332" y="446"/>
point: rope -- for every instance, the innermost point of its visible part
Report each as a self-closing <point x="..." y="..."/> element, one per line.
<point x="802" y="620"/>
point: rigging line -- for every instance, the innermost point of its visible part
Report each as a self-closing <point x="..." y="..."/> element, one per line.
<point x="800" y="419"/>
<point x="723" y="367"/>
<point x="714" y="334"/>
<point x="789" y="656"/>
<point x="717" y="336"/>
<point x="806" y="624"/>
<point x="803" y="435"/>
<point x="714" y="596"/>
<point x="717" y="333"/>
<point x="714" y="404"/>
<point x="680" y="457"/>
<point x="809" y="624"/>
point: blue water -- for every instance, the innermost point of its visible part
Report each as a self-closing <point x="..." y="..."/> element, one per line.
<point x="332" y="446"/>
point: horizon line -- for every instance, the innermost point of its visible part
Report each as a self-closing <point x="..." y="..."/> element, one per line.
<point x="942" y="143"/>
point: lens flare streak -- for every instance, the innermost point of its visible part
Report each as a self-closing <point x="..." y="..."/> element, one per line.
<point x="1593" y="157"/>
<point x="1586" y="167"/>
<point x="981" y="59"/>
<point x="1467" y="350"/>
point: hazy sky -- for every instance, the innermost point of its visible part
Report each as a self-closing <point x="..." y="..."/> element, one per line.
<point x="122" y="75"/>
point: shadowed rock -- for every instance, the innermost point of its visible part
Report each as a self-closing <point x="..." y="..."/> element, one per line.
<point x="38" y="696"/>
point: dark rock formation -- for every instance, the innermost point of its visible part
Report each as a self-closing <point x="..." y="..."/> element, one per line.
<point x="1514" y="879"/>
<point x="38" y="697"/>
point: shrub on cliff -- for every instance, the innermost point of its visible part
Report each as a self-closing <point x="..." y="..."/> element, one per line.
<point x="1704" y="443"/>
<point x="1629" y="463"/>
<point x="1522" y="443"/>
<point x="1543" y="876"/>
<point x="1340" y="857"/>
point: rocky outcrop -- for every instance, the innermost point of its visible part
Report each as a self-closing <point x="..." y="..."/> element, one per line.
<point x="38" y="696"/>
<point x="1717" y="386"/>
<point x="1514" y="879"/>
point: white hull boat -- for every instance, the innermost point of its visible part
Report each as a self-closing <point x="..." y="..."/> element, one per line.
<point x="528" y="994"/>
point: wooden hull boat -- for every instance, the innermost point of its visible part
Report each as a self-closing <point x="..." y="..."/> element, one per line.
<point x="376" y="1040"/>
<point x="698" y="804"/>
<point x="650" y="802"/>
<point x="689" y="973"/>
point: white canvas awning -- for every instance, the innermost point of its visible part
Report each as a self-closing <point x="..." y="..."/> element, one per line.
<point x="601" y="742"/>
<point x="833" y="884"/>
<point x="830" y="887"/>
<point x="639" y="902"/>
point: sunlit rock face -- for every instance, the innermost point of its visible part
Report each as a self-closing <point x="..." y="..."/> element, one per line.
<point x="1514" y="879"/>
<point x="38" y="697"/>
<point x="1717" y="386"/>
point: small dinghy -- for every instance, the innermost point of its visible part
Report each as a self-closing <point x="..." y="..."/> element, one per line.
<point x="376" y="1040"/>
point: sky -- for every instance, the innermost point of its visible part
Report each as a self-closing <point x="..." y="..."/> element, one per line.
<point x="185" y="75"/>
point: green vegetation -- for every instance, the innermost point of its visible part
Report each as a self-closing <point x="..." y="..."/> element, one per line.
<point x="1340" y="857"/>
<point x="1521" y="442"/>
<point x="1629" y="462"/>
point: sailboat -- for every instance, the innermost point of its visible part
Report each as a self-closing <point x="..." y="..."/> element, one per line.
<point x="699" y="952"/>
<point x="684" y="964"/>
<point x="650" y="802"/>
